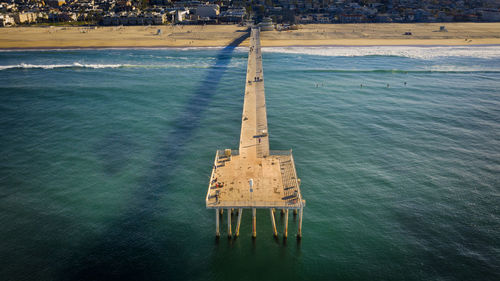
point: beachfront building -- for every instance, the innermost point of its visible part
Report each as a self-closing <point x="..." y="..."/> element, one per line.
<point x="281" y="11"/>
<point x="181" y="15"/>
<point x="134" y="19"/>
<point x="233" y="15"/>
<point x="6" y="20"/>
<point x="490" y="15"/>
<point x="266" y="25"/>
<point x="208" y="11"/>
<point x="21" y="18"/>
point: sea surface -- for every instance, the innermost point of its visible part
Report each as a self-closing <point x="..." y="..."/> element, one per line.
<point x="105" y="158"/>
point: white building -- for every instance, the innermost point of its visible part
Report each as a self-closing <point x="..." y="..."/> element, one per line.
<point x="181" y="15"/>
<point x="6" y="20"/>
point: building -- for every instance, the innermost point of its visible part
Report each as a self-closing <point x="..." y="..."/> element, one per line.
<point x="181" y="15"/>
<point x="266" y="25"/>
<point x="29" y="17"/>
<point x="160" y="2"/>
<point x="55" y="3"/>
<point x="208" y="11"/>
<point x="6" y="20"/>
<point x="234" y="15"/>
<point x="490" y="15"/>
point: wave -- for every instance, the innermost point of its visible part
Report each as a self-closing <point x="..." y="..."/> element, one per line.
<point x="398" y="71"/>
<point x="101" y="66"/>
<point x="414" y="52"/>
<point x="242" y="49"/>
<point x="52" y="66"/>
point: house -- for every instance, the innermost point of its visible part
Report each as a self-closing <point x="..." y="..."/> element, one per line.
<point x="6" y="20"/>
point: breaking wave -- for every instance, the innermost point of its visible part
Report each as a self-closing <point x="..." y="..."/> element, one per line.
<point x="101" y="66"/>
<point x="52" y="66"/>
<point x="414" y="52"/>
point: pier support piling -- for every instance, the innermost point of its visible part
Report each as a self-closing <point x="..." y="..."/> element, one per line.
<point x="229" y="223"/>
<point x="217" y="233"/>
<point x="285" y="234"/>
<point x="299" y="233"/>
<point x="237" y="232"/>
<point x="275" y="232"/>
<point x="254" y="223"/>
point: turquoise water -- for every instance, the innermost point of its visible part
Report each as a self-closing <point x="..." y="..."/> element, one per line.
<point x="106" y="155"/>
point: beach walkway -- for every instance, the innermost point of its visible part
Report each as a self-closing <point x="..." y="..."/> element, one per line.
<point x="254" y="176"/>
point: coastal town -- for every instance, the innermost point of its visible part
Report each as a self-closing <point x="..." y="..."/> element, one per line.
<point x="161" y="12"/>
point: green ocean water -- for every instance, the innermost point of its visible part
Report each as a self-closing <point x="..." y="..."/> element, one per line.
<point x="106" y="157"/>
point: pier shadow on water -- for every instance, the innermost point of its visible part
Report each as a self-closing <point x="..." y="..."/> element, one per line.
<point x="129" y="248"/>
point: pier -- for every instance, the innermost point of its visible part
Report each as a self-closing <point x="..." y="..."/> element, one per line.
<point x="254" y="177"/>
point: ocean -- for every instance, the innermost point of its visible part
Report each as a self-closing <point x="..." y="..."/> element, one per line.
<point x="106" y="156"/>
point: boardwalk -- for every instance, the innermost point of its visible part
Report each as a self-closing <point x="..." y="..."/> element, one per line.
<point x="254" y="176"/>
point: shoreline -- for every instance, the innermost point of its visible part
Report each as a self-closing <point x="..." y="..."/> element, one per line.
<point x="318" y="35"/>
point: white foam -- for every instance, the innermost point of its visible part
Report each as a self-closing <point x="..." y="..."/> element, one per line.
<point x="52" y="66"/>
<point x="415" y="52"/>
<point x="232" y="64"/>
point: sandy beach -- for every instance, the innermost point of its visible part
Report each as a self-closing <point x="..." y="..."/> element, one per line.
<point x="222" y="35"/>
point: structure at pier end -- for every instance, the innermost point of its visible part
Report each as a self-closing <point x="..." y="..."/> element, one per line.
<point x="254" y="177"/>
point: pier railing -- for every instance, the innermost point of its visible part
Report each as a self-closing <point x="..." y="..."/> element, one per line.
<point x="222" y="152"/>
<point x="297" y="181"/>
<point x="212" y="175"/>
<point x="256" y="204"/>
<point x="235" y="152"/>
<point x="280" y="152"/>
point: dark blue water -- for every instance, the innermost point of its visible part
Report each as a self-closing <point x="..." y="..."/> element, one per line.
<point x="106" y="154"/>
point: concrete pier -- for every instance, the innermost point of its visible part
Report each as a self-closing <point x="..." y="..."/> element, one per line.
<point x="285" y="234"/>
<point x="237" y="232"/>
<point x="273" y="222"/>
<point x="217" y="233"/>
<point x="254" y="222"/>
<point x="229" y="223"/>
<point x="254" y="177"/>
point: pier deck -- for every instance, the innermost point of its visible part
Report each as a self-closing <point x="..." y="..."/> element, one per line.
<point x="254" y="176"/>
<point x="275" y="184"/>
